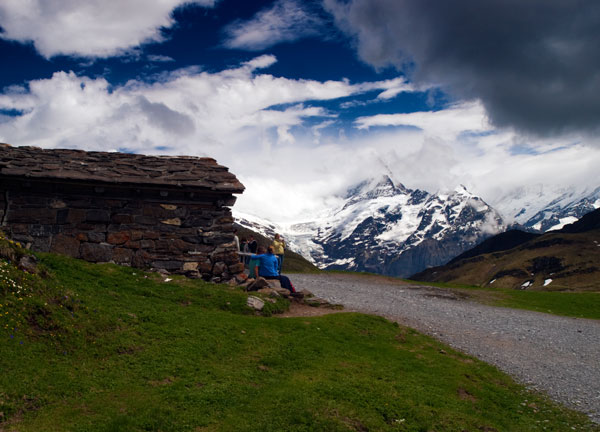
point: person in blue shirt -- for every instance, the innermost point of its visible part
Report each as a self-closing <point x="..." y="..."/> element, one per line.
<point x="268" y="268"/>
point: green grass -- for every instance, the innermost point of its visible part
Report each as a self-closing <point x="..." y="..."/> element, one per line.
<point x="577" y="304"/>
<point x="108" y="348"/>
<point x="573" y="304"/>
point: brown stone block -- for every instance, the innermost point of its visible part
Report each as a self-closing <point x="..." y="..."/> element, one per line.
<point x="65" y="245"/>
<point x="96" y="237"/>
<point x="224" y="220"/>
<point x="141" y="259"/>
<point x="152" y="235"/>
<point x="112" y="203"/>
<point x="133" y="244"/>
<point x="118" y="238"/>
<point x="122" y="218"/>
<point x="96" y="252"/>
<point x="178" y="245"/>
<point x="32" y="215"/>
<point x="236" y="268"/>
<point x="122" y="255"/>
<point x="219" y="268"/>
<point x="82" y="237"/>
<point x="162" y="245"/>
<point x="190" y="266"/>
<point x="197" y="221"/>
<point x="20" y="228"/>
<point x="41" y="244"/>
<point x="57" y="204"/>
<point x="170" y="265"/>
<point x="43" y="230"/>
<point x="35" y="201"/>
<point x="215" y="239"/>
<point x="147" y="244"/>
<point x="172" y="221"/>
<point x="137" y="235"/>
<point x="240" y="278"/>
<point x="81" y="204"/>
<point x="205" y="266"/>
<point x="97" y="216"/>
<point x="75" y="216"/>
<point x="231" y="258"/>
<point x="145" y="220"/>
<point x="204" y="249"/>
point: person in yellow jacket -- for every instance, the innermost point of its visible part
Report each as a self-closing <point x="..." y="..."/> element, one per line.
<point x="279" y="249"/>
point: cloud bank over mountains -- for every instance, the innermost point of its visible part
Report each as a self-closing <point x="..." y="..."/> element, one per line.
<point x="519" y="83"/>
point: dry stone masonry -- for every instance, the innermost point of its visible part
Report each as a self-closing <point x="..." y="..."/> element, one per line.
<point x="169" y="213"/>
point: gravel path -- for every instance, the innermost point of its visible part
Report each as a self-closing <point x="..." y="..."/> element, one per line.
<point x="557" y="355"/>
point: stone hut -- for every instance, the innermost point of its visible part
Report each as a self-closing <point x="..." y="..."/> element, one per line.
<point x="162" y="212"/>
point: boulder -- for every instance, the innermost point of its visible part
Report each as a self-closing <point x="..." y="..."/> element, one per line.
<point x="269" y="291"/>
<point x="257" y="284"/>
<point x="306" y="293"/>
<point x="282" y="292"/>
<point x="255" y="303"/>
<point x="246" y="284"/>
<point x="241" y="278"/>
<point x="28" y="263"/>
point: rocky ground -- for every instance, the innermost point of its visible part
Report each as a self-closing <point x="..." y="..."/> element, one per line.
<point x="556" y="355"/>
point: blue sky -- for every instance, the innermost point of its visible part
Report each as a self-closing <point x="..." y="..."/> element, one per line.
<point x="302" y="99"/>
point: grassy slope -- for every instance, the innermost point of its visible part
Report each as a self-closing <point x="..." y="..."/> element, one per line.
<point x="579" y="255"/>
<point x="107" y="348"/>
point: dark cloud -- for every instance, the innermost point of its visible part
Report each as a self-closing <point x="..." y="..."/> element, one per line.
<point x="535" y="64"/>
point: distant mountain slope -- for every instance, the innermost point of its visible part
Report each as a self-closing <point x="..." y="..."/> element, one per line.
<point x="544" y="208"/>
<point x="500" y="242"/>
<point x="568" y="259"/>
<point x="389" y="229"/>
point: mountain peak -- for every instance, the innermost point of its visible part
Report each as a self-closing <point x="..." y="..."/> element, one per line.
<point x="374" y="187"/>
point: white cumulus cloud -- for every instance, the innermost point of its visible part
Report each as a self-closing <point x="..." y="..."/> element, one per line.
<point x="284" y="21"/>
<point x="87" y="28"/>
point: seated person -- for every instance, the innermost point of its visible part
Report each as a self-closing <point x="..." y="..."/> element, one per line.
<point x="268" y="268"/>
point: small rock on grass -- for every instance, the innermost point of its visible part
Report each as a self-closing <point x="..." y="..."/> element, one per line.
<point x="255" y="303"/>
<point x="28" y="263"/>
<point x="306" y="293"/>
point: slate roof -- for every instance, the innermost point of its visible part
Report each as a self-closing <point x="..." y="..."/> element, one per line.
<point x="117" y="168"/>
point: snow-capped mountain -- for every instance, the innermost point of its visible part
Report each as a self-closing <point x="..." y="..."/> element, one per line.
<point x="386" y="228"/>
<point x="564" y="210"/>
<point x="543" y="208"/>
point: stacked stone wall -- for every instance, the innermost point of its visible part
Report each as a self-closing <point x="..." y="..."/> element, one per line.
<point x="182" y="232"/>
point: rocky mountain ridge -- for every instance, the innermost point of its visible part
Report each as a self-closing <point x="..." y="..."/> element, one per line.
<point x="386" y="228"/>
